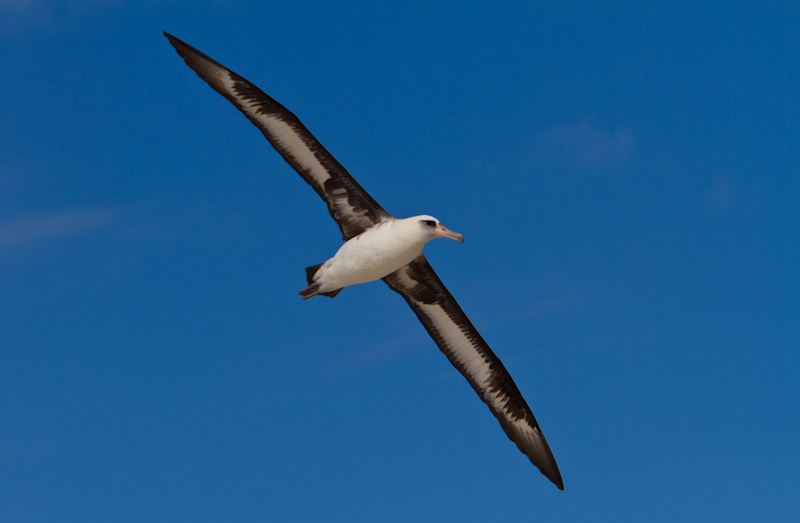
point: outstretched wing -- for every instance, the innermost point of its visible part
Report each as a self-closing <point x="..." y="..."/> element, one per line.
<point x="349" y="204"/>
<point x="462" y="344"/>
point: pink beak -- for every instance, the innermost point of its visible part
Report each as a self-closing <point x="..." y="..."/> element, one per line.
<point x="444" y="232"/>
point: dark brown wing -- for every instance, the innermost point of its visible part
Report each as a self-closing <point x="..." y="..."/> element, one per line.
<point x="464" y="347"/>
<point x="349" y="204"/>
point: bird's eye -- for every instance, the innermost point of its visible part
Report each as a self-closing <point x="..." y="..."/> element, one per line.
<point x="429" y="223"/>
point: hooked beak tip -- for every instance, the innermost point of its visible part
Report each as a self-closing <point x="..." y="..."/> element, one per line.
<point x="444" y="232"/>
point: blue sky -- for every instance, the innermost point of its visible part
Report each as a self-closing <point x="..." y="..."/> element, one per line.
<point x="627" y="178"/>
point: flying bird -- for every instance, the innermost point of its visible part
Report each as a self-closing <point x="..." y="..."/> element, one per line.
<point x="380" y="246"/>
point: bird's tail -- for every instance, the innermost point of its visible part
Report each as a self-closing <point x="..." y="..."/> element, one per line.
<point x="310" y="291"/>
<point x="314" y="286"/>
<point x="311" y="272"/>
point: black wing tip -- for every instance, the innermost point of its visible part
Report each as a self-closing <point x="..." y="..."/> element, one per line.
<point x="190" y="54"/>
<point x="547" y="465"/>
<point x="555" y="477"/>
<point x="175" y="41"/>
<point x="182" y="47"/>
<point x="545" y="462"/>
<point x="208" y="69"/>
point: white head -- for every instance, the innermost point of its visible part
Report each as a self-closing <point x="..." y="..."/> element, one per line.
<point x="429" y="228"/>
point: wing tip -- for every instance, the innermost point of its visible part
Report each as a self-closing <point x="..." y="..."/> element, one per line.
<point x="175" y="41"/>
<point x="548" y="467"/>
<point x="182" y="47"/>
<point x="543" y="459"/>
<point x="556" y="479"/>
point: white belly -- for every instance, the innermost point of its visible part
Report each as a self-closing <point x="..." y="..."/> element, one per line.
<point x="369" y="256"/>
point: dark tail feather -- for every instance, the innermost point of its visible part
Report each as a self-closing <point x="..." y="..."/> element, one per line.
<point x="310" y="291"/>
<point x="331" y="294"/>
<point x="313" y="287"/>
<point x="311" y="271"/>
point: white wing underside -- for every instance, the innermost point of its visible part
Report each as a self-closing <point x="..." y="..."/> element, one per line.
<point x="468" y="352"/>
<point x="349" y="204"/>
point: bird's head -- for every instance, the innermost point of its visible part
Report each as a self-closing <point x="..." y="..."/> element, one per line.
<point x="430" y="228"/>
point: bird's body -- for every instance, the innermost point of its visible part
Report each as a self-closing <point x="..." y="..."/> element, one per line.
<point x="380" y="246"/>
<point x="374" y="254"/>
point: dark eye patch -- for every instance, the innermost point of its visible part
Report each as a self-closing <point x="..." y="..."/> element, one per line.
<point x="429" y="223"/>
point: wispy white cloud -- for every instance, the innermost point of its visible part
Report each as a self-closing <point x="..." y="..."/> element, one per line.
<point x="33" y="229"/>
<point x="588" y="145"/>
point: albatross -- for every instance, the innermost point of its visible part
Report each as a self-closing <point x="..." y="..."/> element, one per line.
<point x="380" y="246"/>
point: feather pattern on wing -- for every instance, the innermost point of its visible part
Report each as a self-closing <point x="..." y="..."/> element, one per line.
<point x="464" y="347"/>
<point x="349" y="204"/>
